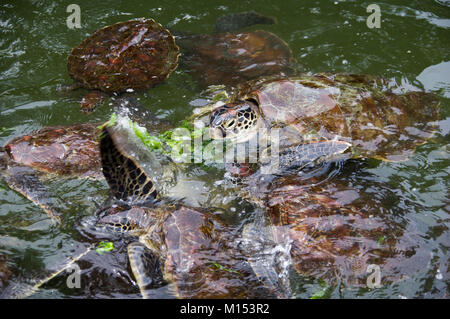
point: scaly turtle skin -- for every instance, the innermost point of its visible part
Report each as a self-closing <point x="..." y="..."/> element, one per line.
<point x="134" y="55"/>
<point x="228" y="57"/>
<point x="64" y="151"/>
<point x="359" y="110"/>
<point x="186" y="246"/>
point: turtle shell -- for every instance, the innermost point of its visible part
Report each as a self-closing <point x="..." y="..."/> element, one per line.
<point x="70" y="150"/>
<point x="199" y="261"/>
<point x="232" y="58"/>
<point x="134" y="54"/>
<point x="362" y="110"/>
<point x="338" y="231"/>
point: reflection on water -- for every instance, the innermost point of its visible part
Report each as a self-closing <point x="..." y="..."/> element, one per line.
<point x="400" y="210"/>
<point x="435" y="78"/>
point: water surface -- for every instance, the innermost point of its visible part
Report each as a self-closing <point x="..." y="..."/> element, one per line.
<point x="411" y="46"/>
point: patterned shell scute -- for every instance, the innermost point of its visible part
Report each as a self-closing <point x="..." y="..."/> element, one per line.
<point x="285" y="101"/>
<point x="362" y="110"/>
<point x="71" y="150"/>
<point x="135" y="54"/>
<point x="195" y="245"/>
<point x="186" y="227"/>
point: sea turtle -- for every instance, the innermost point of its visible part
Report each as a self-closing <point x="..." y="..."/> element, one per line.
<point x="340" y="231"/>
<point x="336" y="230"/>
<point x="228" y="57"/>
<point x="126" y="56"/>
<point x="327" y="113"/>
<point x="190" y="247"/>
<point x="62" y="150"/>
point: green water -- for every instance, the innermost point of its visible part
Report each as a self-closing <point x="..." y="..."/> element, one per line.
<point x="413" y="43"/>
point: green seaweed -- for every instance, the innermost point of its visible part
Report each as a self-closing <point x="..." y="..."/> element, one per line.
<point x="171" y="142"/>
<point x="221" y="267"/>
<point x="152" y="142"/>
<point x="103" y="247"/>
<point x="112" y="120"/>
<point x="381" y="240"/>
<point x="324" y="292"/>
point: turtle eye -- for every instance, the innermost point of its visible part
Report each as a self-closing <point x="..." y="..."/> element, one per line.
<point x="217" y="117"/>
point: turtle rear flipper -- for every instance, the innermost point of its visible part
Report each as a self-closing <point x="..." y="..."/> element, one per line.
<point x="298" y="156"/>
<point x="234" y="21"/>
<point x="24" y="180"/>
<point x="146" y="268"/>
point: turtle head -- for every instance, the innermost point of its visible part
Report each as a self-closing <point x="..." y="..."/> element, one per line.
<point x="124" y="219"/>
<point x="238" y="121"/>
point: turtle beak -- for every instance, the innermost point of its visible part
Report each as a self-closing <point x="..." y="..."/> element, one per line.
<point x="216" y="133"/>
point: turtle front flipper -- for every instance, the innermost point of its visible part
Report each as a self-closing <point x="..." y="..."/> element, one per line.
<point x="124" y="175"/>
<point x="298" y="156"/>
<point x="234" y="21"/>
<point x="269" y="259"/>
<point x="146" y="268"/>
<point x="24" y="180"/>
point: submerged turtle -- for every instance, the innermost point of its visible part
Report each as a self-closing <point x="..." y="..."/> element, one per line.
<point x="339" y="232"/>
<point x="64" y="151"/>
<point x="131" y="55"/>
<point x="228" y="57"/>
<point x="327" y="113"/>
<point x="190" y="247"/>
